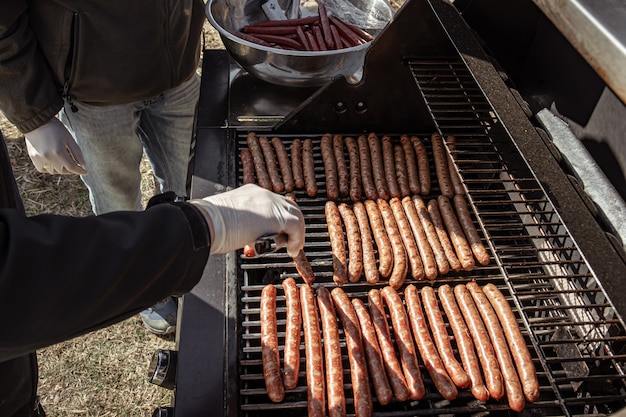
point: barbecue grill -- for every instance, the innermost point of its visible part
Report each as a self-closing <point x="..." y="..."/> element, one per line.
<point x="554" y="256"/>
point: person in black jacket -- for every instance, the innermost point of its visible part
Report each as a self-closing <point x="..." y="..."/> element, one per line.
<point x="61" y="277"/>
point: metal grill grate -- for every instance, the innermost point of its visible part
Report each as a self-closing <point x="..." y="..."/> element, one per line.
<point x="575" y="336"/>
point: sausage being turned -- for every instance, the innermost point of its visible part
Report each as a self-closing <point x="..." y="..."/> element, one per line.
<point x="356" y="355"/>
<point x="316" y="387"/>
<point x="332" y="354"/>
<point x="269" y="345"/>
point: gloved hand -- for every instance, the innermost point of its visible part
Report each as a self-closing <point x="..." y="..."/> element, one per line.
<point x="53" y="150"/>
<point x="240" y="216"/>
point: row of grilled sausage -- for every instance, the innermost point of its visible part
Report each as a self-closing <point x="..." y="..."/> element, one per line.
<point x="408" y="235"/>
<point x="375" y="167"/>
<point x="491" y="358"/>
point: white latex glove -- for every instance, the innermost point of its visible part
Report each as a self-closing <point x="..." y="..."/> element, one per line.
<point x="240" y="216"/>
<point x="53" y="150"/>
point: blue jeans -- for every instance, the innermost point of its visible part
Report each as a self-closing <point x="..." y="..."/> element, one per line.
<point x="113" y="139"/>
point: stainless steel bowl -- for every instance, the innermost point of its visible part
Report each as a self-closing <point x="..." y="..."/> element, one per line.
<point x="296" y="68"/>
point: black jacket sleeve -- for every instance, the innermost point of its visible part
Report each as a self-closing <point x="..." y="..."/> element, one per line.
<point x="61" y="277"/>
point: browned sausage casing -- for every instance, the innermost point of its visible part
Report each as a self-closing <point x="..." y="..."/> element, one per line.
<point x="463" y="214"/>
<point x="316" y="387"/>
<point x="308" y="168"/>
<point x="342" y="170"/>
<point x="284" y="163"/>
<point x="303" y="266"/>
<point x="480" y="337"/>
<point x="406" y="234"/>
<point x="330" y="167"/>
<point x="431" y="234"/>
<point x="270" y="163"/>
<point x="441" y="338"/>
<point x="462" y="247"/>
<point x="404" y="340"/>
<point x="423" y="165"/>
<point x="259" y="161"/>
<point x="426" y="346"/>
<point x="378" y="168"/>
<point x="441" y="165"/>
<point x="444" y="239"/>
<point x="247" y="166"/>
<point x="355" y="169"/>
<point x="356" y="355"/>
<point x="296" y="163"/>
<point x="425" y="250"/>
<point x="337" y="242"/>
<point x="269" y="345"/>
<point x="385" y="253"/>
<point x="355" y="247"/>
<point x="400" y="263"/>
<point x="392" y="364"/>
<point x="373" y="354"/>
<point x="517" y="345"/>
<point x="369" y="256"/>
<point x="332" y="354"/>
<point x="455" y="178"/>
<point x="512" y="383"/>
<point x="411" y="164"/>
<point x="464" y="342"/>
<point x="367" y="179"/>
<point x="291" y="353"/>
<point x="389" y="166"/>
<point x="402" y="175"/>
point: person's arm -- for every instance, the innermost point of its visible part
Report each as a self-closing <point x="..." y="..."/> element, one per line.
<point x="61" y="276"/>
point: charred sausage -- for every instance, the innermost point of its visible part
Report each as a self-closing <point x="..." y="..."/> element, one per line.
<point x="342" y="170"/>
<point x="411" y="164"/>
<point x="247" y="166"/>
<point x="389" y="167"/>
<point x="330" y="167"/>
<point x="308" y="168"/>
<point x="270" y="163"/>
<point x="455" y="178"/>
<point x="423" y="165"/>
<point x="461" y="246"/>
<point x="259" y="161"/>
<point x="283" y="163"/>
<point x="369" y="188"/>
<point x="269" y="345"/>
<point x="463" y="214"/>
<point x="378" y="168"/>
<point x="402" y="175"/>
<point x="355" y="169"/>
<point x="441" y="165"/>
<point x="296" y="163"/>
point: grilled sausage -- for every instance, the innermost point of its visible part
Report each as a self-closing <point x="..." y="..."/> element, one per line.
<point x="369" y="188"/>
<point x="270" y="163"/>
<point x="332" y="354"/>
<point x="464" y="342"/>
<point x="389" y="167"/>
<point x="308" y="168"/>
<point x="374" y="357"/>
<point x="480" y="337"/>
<point x="400" y="263"/>
<point x="423" y="246"/>
<point x="316" y="388"/>
<point x="378" y="168"/>
<point x="423" y="165"/>
<point x="461" y="246"/>
<point x="455" y="178"/>
<point x="402" y="174"/>
<point x="512" y="384"/>
<point x="356" y="356"/>
<point x="431" y="235"/>
<point x="441" y="165"/>
<point x="291" y="353"/>
<point x="259" y="161"/>
<point x="426" y="347"/>
<point x="392" y="364"/>
<point x="442" y="234"/>
<point x="355" y="168"/>
<point x="283" y="163"/>
<point x="404" y="340"/>
<point x="269" y="345"/>
<point x="411" y="164"/>
<point x="515" y="339"/>
<point x="301" y="262"/>
<point x="441" y="338"/>
<point x="355" y="247"/>
<point x="406" y="234"/>
<point x="463" y="214"/>
<point x="247" y="166"/>
<point x="296" y="163"/>
<point x="385" y="253"/>
<point x="330" y="167"/>
<point x="337" y="243"/>
<point x="342" y="170"/>
<point x="369" y="256"/>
